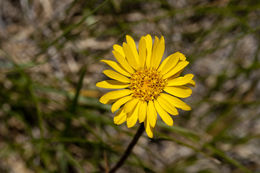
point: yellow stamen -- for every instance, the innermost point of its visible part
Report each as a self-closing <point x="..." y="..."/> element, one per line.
<point x="147" y="84"/>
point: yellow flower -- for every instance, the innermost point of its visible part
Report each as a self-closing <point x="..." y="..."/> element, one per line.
<point x="146" y="87"/>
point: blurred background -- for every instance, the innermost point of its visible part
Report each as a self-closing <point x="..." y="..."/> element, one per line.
<point x="50" y="117"/>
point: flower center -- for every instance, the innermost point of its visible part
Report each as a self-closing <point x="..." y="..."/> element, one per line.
<point x="147" y="84"/>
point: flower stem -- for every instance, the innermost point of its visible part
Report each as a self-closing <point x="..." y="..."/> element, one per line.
<point x="129" y="149"/>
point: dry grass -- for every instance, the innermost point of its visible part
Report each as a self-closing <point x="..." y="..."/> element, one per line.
<point x="47" y="46"/>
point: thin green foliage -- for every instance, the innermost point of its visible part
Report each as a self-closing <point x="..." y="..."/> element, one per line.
<point x="50" y="116"/>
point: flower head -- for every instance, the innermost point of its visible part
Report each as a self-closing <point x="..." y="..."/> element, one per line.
<point x="145" y="86"/>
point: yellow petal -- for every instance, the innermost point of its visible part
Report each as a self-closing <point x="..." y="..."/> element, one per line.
<point x="179" y="91"/>
<point x="117" y="76"/>
<point x="148" y="129"/>
<point x="120" y="117"/>
<point x="119" y="103"/>
<point x="181" y="65"/>
<point x="131" y="119"/>
<point x="175" y="76"/>
<point x="130" y="56"/>
<point x="159" y="51"/>
<point x="163" y="114"/>
<point x="175" y="102"/>
<point x="149" y="43"/>
<point x="170" y="62"/>
<point x="113" y="95"/>
<point x="192" y="83"/>
<point x="151" y="113"/>
<point x="122" y="61"/>
<point x="182" y="57"/>
<point x="119" y="49"/>
<point x="116" y="66"/>
<point x="142" y="52"/>
<point x="180" y="80"/>
<point x="155" y="44"/>
<point x="142" y="111"/>
<point x="167" y="106"/>
<point x="130" y="41"/>
<point x="130" y="105"/>
<point x="111" y="84"/>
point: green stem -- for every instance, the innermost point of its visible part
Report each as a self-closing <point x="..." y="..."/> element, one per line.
<point x="129" y="149"/>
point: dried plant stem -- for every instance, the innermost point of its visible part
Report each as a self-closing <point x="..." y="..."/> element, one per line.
<point x="129" y="149"/>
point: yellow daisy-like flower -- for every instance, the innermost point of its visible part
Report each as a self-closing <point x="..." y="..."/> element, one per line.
<point x="146" y="87"/>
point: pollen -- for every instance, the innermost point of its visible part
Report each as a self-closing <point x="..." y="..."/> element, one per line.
<point x="147" y="84"/>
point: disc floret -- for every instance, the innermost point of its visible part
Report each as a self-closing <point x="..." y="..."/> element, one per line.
<point x="147" y="84"/>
